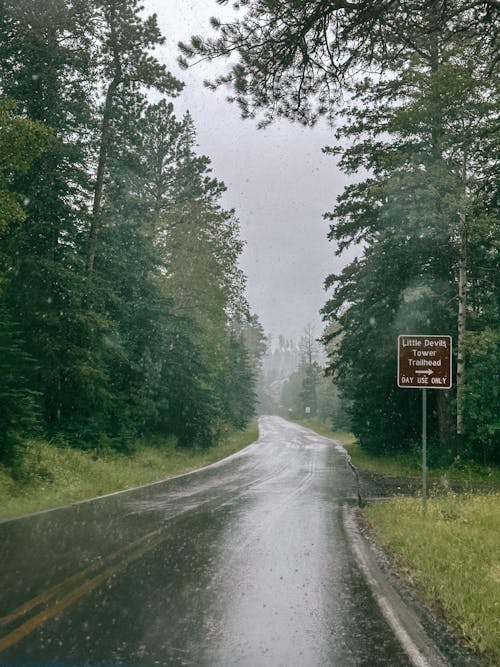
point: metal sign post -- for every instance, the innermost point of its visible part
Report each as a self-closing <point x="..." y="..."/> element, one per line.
<point x="424" y="450"/>
<point x="424" y="362"/>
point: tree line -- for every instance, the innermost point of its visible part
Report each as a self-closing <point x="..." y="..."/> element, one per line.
<point x="309" y="392"/>
<point x="122" y="306"/>
<point x="412" y="90"/>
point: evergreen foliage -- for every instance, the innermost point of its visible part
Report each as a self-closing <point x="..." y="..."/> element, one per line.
<point x="421" y="216"/>
<point x="293" y="59"/>
<point x="18" y="403"/>
<point x="123" y="309"/>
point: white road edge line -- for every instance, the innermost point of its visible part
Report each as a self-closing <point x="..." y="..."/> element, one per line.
<point x="382" y="590"/>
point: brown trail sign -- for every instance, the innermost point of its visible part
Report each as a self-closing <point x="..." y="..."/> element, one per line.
<point x="424" y="362"/>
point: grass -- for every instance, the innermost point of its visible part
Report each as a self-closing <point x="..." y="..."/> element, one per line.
<point x="452" y="557"/>
<point x="53" y="476"/>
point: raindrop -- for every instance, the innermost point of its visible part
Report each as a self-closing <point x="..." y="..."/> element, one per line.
<point x="373" y="321"/>
<point x="26" y="201"/>
<point x="49" y="300"/>
<point x="35" y="77"/>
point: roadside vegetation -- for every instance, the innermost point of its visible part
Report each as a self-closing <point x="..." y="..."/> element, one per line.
<point x="451" y="557"/>
<point x="51" y="475"/>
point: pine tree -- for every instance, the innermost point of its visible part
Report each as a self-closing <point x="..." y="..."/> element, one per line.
<point x="414" y="134"/>
<point x="293" y="59"/>
<point x="140" y="341"/>
<point x="44" y="69"/>
<point x="125" y="61"/>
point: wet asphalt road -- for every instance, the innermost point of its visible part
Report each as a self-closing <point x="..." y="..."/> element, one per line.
<point x="243" y="563"/>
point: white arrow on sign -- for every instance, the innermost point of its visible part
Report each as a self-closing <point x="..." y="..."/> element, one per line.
<point x="427" y="372"/>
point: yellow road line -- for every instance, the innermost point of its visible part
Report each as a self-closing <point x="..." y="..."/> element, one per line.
<point x="43" y="598"/>
<point x="54" y="608"/>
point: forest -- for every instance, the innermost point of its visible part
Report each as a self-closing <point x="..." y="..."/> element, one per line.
<point x="425" y="137"/>
<point x="426" y="215"/>
<point x="122" y="307"/>
<point x="411" y="91"/>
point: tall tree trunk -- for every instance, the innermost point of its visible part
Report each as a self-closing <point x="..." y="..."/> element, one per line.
<point x="95" y="224"/>
<point x="435" y="61"/>
<point x="462" y="310"/>
<point x="104" y="142"/>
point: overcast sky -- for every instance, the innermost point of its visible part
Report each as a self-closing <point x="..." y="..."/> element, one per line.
<point x="278" y="181"/>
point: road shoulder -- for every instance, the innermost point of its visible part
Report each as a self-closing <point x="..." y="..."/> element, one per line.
<point x="426" y="638"/>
